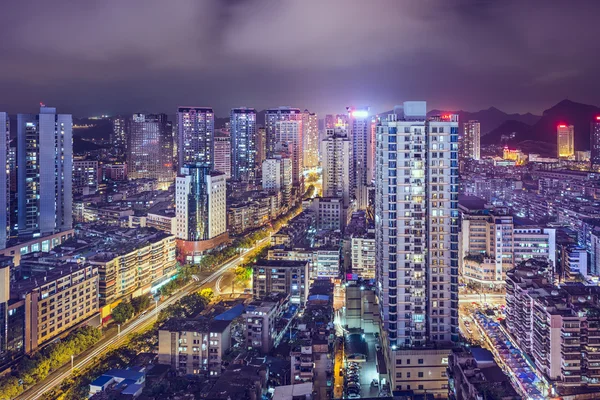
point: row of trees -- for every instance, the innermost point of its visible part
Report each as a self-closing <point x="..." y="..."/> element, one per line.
<point x="127" y="309"/>
<point x="37" y="367"/>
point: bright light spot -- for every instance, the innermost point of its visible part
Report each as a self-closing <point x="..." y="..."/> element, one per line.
<point x="360" y="113"/>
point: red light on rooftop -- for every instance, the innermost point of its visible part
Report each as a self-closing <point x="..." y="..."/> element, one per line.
<point x="598" y="118"/>
<point x="562" y="126"/>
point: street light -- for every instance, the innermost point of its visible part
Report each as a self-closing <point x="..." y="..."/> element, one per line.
<point x="156" y="305"/>
<point x="72" y="364"/>
<point x="119" y="330"/>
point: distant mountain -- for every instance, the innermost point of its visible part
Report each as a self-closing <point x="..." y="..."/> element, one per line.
<point x="517" y="131"/>
<point x="544" y="130"/>
<point x="489" y="119"/>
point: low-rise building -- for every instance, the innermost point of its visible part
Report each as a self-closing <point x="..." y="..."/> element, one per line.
<point x="194" y="346"/>
<point x="263" y="323"/>
<point x="281" y="276"/>
<point x="56" y="296"/>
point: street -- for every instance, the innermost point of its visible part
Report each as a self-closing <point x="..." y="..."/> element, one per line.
<point x="113" y="339"/>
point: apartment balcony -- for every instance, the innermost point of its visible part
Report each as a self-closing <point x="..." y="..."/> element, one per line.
<point x="592" y="350"/>
<point x="570" y="367"/>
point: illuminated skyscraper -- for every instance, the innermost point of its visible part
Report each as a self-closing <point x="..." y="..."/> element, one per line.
<point x="565" y="138"/>
<point x="272" y="116"/>
<point x="261" y="148"/>
<point x="4" y="179"/>
<point x="288" y="138"/>
<point x="360" y="133"/>
<point x="150" y="148"/>
<point x="201" y="210"/>
<point x="310" y="134"/>
<point x="45" y="172"/>
<point x="243" y="144"/>
<point x="223" y="153"/>
<point x="595" y="142"/>
<point x="195" y="135"/>
<point x="416" y="237"/>
<point x="470" y="144"/>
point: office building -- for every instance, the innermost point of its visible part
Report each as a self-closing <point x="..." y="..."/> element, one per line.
<point x="310" y="135"/>
<point x="195" y="135"/>
<point x="337" y="163"/>
<point x="150" y="148"/>
<point x="200" y="202"/>
<point x="194" y="346"/>
<point x="243" y="144"/>
<point x="223" y="154"/>
<point x="45" y="172"/>
<point x="469" y="143"/>
<point x="565" y="141"/>
<point x="280" y="276"/>
<point x="595" y="142"/>
<point x="274" y="115"/>
<point x="4" y="179"/>
<point x="416" y="238"/>
<point x="277" y="177"/>
<point x="360" y="133"/>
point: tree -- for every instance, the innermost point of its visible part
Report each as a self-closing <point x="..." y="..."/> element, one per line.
<point x="140" y="303"/>
<point x="243" y="274"/>
<point x="122" y="312"/>
<point x="207" y="294"/>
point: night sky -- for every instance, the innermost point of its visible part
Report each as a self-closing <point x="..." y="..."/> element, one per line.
<point x="111" y="56"/>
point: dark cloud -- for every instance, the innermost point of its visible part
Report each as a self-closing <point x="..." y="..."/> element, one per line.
<point x="115" y="56"/>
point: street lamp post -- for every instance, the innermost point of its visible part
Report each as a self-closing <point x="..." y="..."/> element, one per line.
<point x="119" y="330"/>
<point x="72" y="363"/>
<point x="156" y="305"/>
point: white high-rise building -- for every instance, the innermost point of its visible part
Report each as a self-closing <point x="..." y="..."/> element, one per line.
<point x="45" y="172"/>
<point x="272" y="116"/>
<point x="4" y="179"/>
<point x="336" y="150"/>
<point x="310" y="134"/>
<point x="277" y="176"/>
<point x="201" y="210"/>
<point x="360" y="133"/>
<point x="223" y="154"/>
<point x="288" y="136"/>
<point x="416" y="236"/>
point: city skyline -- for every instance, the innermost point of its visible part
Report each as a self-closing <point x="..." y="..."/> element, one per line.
<point x="474" y="63"/>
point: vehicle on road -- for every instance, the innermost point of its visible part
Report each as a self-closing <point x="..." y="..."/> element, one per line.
<point x="357" y="357"/>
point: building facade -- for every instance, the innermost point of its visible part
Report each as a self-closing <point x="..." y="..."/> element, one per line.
<point x="201" y="208"/>
<point x="416" y="234"/>
<point x="595" y="142"/>
<point x="223" y="154"/>
<point x="195" y="135"/>
<point x="469" y="146"/>
<point x="281" y="276"/>
<point x="274" y="115"/>
<point x="310" y="135"/>
<point x="337" y="163"/>
<point x="243" y="144"/>
<point x="360" y="133"/>
<point x="150" y="147"/>
<point x="277" y="177"/>
<point x="45" y="172"/>
<point x="565" y="145"/>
